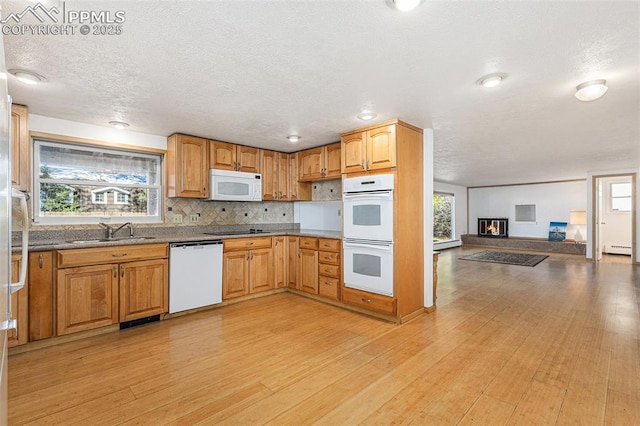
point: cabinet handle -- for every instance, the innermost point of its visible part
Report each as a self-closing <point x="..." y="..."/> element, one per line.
<point x="40" y="261"/>
<point x="366" y="300"/>
<point x="118" y="254"/>
<point x="326" y="282"/>
<point x="115" y="272"/>
<point x="327" y="258"/>
<point x="299" y="253"/>
<point x="362" y="164"/>
<point x="122" y="272"/>
<point x="250" y="243"/>
<point x="328" y="271"/>
<point x="367" y="164"/>
<point x="251" y="255"/>
<point x="247" y="256"/>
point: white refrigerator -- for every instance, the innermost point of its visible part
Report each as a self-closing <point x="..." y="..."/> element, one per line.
<point x="5" y="233"/>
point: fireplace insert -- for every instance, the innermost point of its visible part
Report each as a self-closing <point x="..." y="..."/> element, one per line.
<point x="495" y="227"/>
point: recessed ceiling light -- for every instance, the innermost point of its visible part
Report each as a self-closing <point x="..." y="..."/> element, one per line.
<point x="406" y="5"/>
<point x="27" y="77"/>
<point x="367" y="115"/>
<point x="119" y="124"/>
<point x="491" y="80"/>
<point x="591" y="90"/>
<point x="293" y="138"/>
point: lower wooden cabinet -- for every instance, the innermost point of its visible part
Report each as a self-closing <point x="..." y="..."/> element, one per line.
<point x="370" y="301"/>
<point x="104" y="292"/>
<point x="19" y="307"/>
<point x="280" y="261"/>
<point x="87" y="298"/>
<point x="309" y="270"/>
<point x="247" y="266"/>
<point x="329" y="268"/>
<point x="293" y="256"/>
<point x="41" y="296"/>
<point x="143" y="289"/>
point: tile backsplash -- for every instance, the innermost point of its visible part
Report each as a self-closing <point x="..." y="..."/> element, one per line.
<point x="327" y="190"/>
<point x="227" y="212"/>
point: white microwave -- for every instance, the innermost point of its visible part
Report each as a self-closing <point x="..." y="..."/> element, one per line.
<point x="227" y="185"/>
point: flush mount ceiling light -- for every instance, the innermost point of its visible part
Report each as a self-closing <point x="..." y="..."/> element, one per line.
<point x="293" y="138"/>
<point x="491" y="80"/>
<point x="405" y="5"/>
<point x="367" y="115"/>
<point x="27" y="77"/>
<point x="591" y="90"/>
<point x="119" y="124"/>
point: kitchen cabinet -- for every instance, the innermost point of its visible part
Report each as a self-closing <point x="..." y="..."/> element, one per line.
<point x="275" y="176"/>
<point x="329" y="270"/>
<point x="187" y="166"/>
<point x="228" y="156"/>
<point x="94" y="285"/>
<point x="20" y="148"/>
<point x="308" y="265"/>
<point x="41" y="296"/>
<point x="19" y="307"/>
<point x="247" y="266"/>
<point x="320" y="163"/>
<point x="284" y="177"/>
<point x="298" y="191"/>
<point x="395" y="148"/>
<point x="369" y="150"/>
<point x="293" y="255"/>
<point x="280" y="261"/>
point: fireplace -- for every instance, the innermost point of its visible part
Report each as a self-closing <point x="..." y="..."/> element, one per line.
<point x="495" y="227"/>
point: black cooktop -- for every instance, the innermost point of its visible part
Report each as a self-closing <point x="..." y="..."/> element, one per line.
<point x="249" y="232"/>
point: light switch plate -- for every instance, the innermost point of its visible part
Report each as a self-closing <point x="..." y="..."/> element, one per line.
<point x="177" y="218"/>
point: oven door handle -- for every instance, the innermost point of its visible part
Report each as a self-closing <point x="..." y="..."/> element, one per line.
<point x="368" y="195"/>
<point x="380" y="246"/>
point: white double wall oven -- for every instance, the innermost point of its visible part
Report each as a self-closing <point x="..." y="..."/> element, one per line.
<point x="368" y="233"/>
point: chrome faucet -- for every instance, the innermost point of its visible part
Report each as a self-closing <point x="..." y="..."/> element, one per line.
<point x="111" y="230"/>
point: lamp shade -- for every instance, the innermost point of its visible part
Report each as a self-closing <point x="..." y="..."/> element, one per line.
<point x="578" y="217"/>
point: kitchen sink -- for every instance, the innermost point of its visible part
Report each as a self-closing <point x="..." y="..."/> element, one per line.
<point x="106" y="240"/>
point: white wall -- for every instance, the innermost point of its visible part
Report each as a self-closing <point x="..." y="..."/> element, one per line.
<point x="428" y="216"/>
<point x="460" y="212"/>
<point x="40" y="123"/>
<point x="320" y="215"/>
<point x="554" y="202"/>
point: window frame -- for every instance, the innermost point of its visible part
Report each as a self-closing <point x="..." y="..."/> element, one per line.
<point x="452" y="218"/>
<point x="611" y="198"/>
<point x="38" y="139"/>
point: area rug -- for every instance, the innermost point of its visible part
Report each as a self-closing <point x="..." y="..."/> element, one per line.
<point x="519" y="259"/>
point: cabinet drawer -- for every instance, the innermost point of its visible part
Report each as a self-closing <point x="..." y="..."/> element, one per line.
<point x="101" y="255"/>
<point x="370" y="301"/>
<point x="329" y="257"/>
<point x="309" y="243"/>
<point x="329" y="244"/>
<point x="247" y="243"/>
<point x="328" y="287"/>
<point x="329" y="270"/>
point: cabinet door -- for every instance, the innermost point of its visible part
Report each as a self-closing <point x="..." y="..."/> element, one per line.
<point x="222" y="155"/>
<point x="235" y="274"/>
<point x="41" y="296"/>
<point x="20" y="148"/>
<point x="293" y="255"/>
<point x="280" y="261"/>
<point x="19" y="307"/>
<point x="381" y="148"/>
<point x="353" y="152"/>
<point x="297" y="190"/>
<point x="143" y="289"/>
<point x="248" y="159"/>
<point x="261" y="270"/>
<point x="311" y="164"/>
<point x="87" y="298"/>
<point x="309" y="271"/>
<point x="187" y="166"/>
<point x="283" y="178"/>
<point x="332" y="161"/>
<point x="270" y="174"/>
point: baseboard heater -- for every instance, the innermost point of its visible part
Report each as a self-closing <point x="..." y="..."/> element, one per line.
<point x="617" y="249"/>
<point x="133" y="323"/>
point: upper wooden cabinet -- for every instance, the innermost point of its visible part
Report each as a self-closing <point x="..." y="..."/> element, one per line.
<point x="20" y="148"/>
<point x="319" y="163"/>
<point x="298" y="191"/>
<point x="368" y="150"/>
<point x="187" y="166"/>
<point x="228" y="156"/>
<point x="277" y="183"/>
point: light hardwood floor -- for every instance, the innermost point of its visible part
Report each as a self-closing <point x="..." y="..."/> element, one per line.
<point x="554" y="344"/>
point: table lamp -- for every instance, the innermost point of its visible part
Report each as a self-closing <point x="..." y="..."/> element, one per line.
<point x="578" y="218"/>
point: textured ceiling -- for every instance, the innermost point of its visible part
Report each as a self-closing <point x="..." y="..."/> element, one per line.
<point x="252" y="72"/>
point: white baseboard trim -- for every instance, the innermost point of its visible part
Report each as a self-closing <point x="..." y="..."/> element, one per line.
<point x="447" y="244"/>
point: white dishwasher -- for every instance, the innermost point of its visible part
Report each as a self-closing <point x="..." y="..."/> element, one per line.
<point x="195" y="275"/>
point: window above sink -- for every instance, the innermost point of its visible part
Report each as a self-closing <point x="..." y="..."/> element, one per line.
<point x="85" y="184"/>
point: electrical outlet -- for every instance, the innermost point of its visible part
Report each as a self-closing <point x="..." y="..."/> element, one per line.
<point x="177" y="218"/>
<point x="195" y="217"/>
